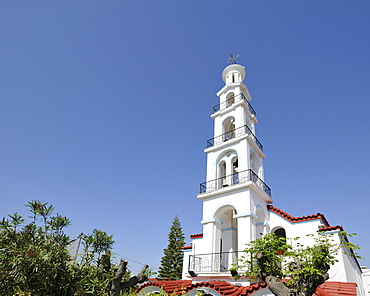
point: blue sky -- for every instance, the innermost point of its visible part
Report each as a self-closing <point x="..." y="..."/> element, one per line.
<point x="104" y="110"/>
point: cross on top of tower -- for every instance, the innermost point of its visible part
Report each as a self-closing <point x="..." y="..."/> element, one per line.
<point x="232" y="58"/>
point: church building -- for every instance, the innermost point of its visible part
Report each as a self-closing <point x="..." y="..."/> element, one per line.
<point x="237" y="208"/>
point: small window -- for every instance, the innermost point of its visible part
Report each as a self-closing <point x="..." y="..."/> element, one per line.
<point x="280" y="232"/>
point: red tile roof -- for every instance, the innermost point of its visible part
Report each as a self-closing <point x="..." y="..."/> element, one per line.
<point x="293" y="219"/>
<point x="222" y="287"/>
<point x="199" y="235"/>
<point x="187" y="247"/>
<point x="339" y="288"/>
<point x="331" y="228"/>
<point x="170" y="287"/>
<point x="228" y="289"/>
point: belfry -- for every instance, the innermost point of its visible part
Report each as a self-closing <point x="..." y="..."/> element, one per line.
<point x="234" y="195"/>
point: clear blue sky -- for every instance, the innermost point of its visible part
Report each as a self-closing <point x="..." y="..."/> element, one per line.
<point x="104" y="109"/>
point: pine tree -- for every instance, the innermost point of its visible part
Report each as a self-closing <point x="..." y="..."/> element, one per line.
<point x="171" y="262"/>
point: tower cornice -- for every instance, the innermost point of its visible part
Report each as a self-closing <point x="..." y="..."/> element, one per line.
<point x="233" y="107"/>
<point x="226" y="190"/>
<point x="236" y="140"/>
<point x="232" y="86"/>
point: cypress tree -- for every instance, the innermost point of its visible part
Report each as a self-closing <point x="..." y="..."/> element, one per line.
<point x="171" y="262"/>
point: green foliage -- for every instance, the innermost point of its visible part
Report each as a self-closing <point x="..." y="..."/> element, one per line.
<point x="150" y="273"/>
<point x="171" y="263"/>
<point x="272" y="247"/>
<point x="35" y="257"/>
<point x="94" y="264"/>
<point x="300" y="265"/>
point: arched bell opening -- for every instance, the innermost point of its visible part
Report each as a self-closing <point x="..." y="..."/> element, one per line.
<point x="230" y="99"/>
<point x="255" y="163"/>
<point x="227" y="166"/>
<point x="229" y="129"/>
<point x="235" y="167"/>
<point x="233" y="76"/>
<point x="222" y="174"/>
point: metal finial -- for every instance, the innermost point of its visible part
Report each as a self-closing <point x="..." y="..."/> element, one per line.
<point x="232" y="58"/>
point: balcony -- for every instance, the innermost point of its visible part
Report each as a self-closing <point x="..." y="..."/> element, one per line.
<point x="231" y="101"/>
<point x="233" y="179"/>
<point x="214" y="262"/>
<point x="244" y="130"/>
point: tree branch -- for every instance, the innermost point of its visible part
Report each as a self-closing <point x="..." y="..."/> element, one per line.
<point x="117" y="286"/>
<point x="140" y="278"/>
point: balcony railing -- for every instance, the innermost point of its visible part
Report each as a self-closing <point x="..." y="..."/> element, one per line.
<point x="233" y="100"/>
<point x="233" y="134"/>
<point x="233" y="179"/>
<point x="214" y="262"/>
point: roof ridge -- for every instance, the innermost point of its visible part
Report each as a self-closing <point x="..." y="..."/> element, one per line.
<point x="199" y="235"/>
<point x="293" y="219"/>
<point x="229" y="289"/>
<point x="330" y="228"/>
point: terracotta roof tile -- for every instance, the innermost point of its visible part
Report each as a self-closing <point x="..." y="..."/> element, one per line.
<point x="293" y="219"/>
<point x="169" y="287"/>
<point x="199" y="235"/>
<point x="331" y="228"/>
<point x="339" y="288"/>
<point x="187" y="247"/>
<point x="222" y="287"/>
<point x="228" y="289"/>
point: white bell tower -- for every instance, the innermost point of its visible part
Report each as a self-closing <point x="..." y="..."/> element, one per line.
<point x="234" y="195"/>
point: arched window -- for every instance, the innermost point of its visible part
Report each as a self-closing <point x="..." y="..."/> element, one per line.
<point x="235" y="170"/>
<point x="230" y="99"/>
<point x="280" y="232"/>
<point x="229" y="129"/>
<point x="222" y="175"/>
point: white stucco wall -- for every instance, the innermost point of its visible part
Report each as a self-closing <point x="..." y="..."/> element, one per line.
<point x="366" y="279"/>
<point x="345" y="270"/>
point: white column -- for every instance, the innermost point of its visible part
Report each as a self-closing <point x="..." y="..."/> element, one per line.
<point x="245" y="231"/>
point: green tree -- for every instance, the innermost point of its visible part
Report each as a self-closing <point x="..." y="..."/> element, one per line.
<point x="171" y="263"/>
<point x="36" y="258"/>
<point x="290" y="268"/>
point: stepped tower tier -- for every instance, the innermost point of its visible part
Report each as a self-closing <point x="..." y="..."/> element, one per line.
<point x="234" y="154"/>
<point x="235" y="196"/>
